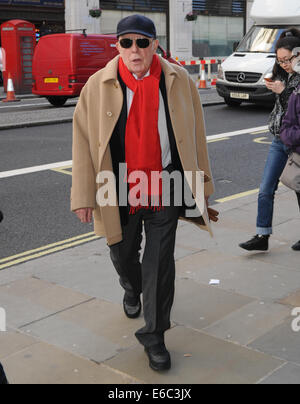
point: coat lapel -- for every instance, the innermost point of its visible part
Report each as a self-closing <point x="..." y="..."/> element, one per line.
<point x="112" y="98"/>
<point x="170" y="76"/>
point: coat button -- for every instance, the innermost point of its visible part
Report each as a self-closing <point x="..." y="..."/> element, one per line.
<point x="109" y="114"/>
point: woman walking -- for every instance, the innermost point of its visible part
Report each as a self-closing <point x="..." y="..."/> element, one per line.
<point x="290" y="129"/>
<point x="284" y="82"/>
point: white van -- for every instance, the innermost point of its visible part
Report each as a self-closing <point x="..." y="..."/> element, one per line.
<point x="241" y="76"/>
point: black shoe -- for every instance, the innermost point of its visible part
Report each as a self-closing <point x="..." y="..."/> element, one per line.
<point x="159" y="357"/>
<point x="132" y="306"/>
<point x="258" y="243"/>
<point x="296" y="247"/>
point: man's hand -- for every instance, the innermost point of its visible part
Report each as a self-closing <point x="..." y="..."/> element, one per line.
<point x="85" y="215"/>
<point x="212" y="214"/>
<point x="276" y="86"/>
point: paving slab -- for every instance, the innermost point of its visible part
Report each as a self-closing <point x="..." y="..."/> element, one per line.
<point x="29" y="300"/>
<point x="90" y="273"/>
<point x="237" y="219"/>
<point x="13" y="341"/>
<point x="198" y="306"/>
<point x="249" y="322"/>
<point x="209" y="361"/>
<point x="45" y="364"/>
<point x="281" y="342"/>
<point x="282" y="256"/>
<point x="288" y="374"/>
<point x="289" y="231"/>
<point x="245" y="274"/>
<point x="285" y="209"/>
<point x="292" y="300"/>
<point x="97" y="330"/>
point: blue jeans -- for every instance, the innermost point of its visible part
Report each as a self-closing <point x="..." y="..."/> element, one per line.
<point x="276" y="162"/>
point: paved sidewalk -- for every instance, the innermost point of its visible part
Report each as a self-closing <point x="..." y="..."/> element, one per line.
<point x="66" y="324"/>
<point x="52" y="115"/>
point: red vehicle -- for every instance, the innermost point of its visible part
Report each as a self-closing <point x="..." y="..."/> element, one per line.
<point x="63" y="63"/>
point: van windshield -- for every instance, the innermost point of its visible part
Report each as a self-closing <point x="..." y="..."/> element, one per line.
<point x="261" y="39"/>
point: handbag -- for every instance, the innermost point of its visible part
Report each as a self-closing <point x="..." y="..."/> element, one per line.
<point x="291" y="174"/>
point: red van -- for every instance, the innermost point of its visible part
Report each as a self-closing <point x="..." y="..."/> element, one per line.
<point x="63" y="63"/>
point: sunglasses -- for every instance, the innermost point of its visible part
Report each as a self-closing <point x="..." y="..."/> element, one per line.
<point x="141" y="43"/>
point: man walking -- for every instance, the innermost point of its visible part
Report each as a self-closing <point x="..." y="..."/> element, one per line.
<point x="145" y="112"/>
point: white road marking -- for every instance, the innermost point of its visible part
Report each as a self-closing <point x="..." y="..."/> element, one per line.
<point x="37" y="169"/>
<point x="238" y="133"/>
<point x="33" y="105"/>
<point x="31" y="170"/>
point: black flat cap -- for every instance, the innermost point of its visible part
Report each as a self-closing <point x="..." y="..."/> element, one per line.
<point x="136" y="24"/>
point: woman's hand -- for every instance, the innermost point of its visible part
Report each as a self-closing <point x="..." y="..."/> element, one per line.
<point x="276" y="86"/>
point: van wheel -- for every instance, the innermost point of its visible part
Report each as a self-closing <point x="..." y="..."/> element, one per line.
<point x="57" y="101"/>
<point x="232" y="103"/>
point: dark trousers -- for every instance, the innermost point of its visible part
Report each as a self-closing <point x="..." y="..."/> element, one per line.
<point x="155" y="275"/>
<point x="3" y="379"/>
<point x="298" y="196"/>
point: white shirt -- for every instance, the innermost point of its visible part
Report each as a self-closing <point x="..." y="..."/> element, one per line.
<point x="162" y="125"/>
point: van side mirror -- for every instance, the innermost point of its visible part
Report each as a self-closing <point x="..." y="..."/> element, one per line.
<point x="235" y="46"/>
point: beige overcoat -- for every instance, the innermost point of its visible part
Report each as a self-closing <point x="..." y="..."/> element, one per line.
<point x="95" y="118"/>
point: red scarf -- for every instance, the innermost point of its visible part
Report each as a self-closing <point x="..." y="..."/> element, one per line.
<point x="142" y="141"/>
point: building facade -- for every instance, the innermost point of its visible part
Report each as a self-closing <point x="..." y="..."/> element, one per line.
<point x="218" y="26"/>
<point x="49" y="15"/>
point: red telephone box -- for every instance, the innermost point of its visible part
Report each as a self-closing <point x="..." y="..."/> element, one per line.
<point x="18" y="40"/>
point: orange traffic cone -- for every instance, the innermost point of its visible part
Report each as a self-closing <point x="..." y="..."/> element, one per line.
<point x="202" y="84"/>
<point x="10" y="91"/>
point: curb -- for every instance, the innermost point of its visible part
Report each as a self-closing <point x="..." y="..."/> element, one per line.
<point x="213" y="103"/>
<point x="23" y="97"/>
<point x="34" y="124"/>
<point x="69" y="120"/>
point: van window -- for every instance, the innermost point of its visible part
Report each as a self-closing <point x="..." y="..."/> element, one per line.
<point x="261" y="39"/>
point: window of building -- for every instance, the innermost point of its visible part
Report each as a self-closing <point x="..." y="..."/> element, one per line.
<point x="135" y="5"/>
<point x="46" y="3"/>
<point x="115" y="10"/>
<point x="220" y="24"/>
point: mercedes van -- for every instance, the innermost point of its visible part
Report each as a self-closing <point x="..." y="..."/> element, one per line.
<point x="241" y="76"/>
